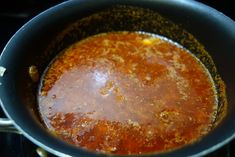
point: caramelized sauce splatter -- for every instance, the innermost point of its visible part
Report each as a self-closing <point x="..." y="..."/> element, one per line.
<point x="127" y="93"/>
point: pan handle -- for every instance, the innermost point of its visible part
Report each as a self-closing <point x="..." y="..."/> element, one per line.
<point x="7" y="125"/>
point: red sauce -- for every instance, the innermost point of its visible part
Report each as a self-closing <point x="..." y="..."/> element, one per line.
<point x="127" y="93"/>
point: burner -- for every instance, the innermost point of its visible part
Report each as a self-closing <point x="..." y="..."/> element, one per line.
<point x="12" y="18"/>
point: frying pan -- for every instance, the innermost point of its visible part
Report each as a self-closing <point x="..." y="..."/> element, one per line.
<point x="196" y="26"/>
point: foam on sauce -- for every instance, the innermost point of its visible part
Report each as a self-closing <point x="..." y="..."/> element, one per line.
<point x="127" y="93"/>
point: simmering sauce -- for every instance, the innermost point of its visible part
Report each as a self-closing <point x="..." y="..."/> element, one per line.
<point x="127" y="93"/>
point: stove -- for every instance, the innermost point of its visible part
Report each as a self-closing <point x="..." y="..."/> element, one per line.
<point x="12" y="16"/>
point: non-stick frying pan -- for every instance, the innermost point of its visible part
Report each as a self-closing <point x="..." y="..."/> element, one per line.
<point x="194" y="25"/>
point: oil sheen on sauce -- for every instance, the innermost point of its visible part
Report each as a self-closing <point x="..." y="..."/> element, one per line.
<point x="127" y="93"/>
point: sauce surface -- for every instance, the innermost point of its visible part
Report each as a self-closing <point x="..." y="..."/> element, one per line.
<point x="127" y="93"/>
